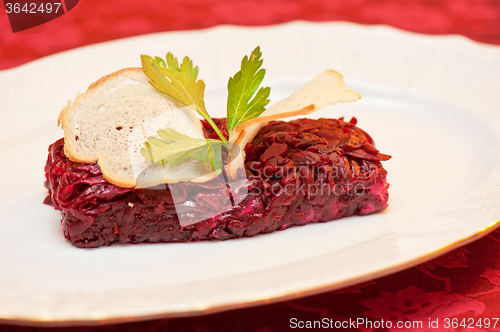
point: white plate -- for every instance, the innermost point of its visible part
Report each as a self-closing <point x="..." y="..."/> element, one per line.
<point x="431" y="102"/>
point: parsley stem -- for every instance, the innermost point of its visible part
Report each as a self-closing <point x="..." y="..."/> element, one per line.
<point x="219" y="133"/>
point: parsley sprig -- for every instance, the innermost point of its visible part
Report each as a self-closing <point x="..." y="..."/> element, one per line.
<point x="242" y="87"/>
<point x="245" y="101"/>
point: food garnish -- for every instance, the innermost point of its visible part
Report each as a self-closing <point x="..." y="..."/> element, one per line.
<point x="245" y="101"/>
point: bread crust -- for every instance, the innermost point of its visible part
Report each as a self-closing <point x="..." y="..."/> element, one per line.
<point x="117" y="73"/>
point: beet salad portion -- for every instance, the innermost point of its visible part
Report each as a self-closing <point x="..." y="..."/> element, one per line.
<point x="297" y="172"/>
<point x="142" y="160"/>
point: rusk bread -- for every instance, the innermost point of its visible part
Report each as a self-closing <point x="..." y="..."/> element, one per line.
<point x="110" y="122"/>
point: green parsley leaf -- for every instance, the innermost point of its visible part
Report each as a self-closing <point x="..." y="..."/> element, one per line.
<point x="174" y="147"/>
<point x="242" y="87"/>
<point x="179" y="83"/>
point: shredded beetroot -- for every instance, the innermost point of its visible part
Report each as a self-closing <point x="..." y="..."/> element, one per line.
<point x="297" y="172"/>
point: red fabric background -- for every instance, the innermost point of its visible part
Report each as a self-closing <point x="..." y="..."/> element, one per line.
<point x="464" y="283"/>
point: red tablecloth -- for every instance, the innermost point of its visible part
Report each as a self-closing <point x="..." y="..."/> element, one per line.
<point x="464" y="283"/>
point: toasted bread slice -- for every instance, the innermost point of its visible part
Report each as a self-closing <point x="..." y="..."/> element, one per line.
<point x="110" y="122"/>
<point x="328" y="88"/>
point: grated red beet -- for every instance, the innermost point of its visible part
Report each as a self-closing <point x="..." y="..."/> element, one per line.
<point x="297" y="172"/>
